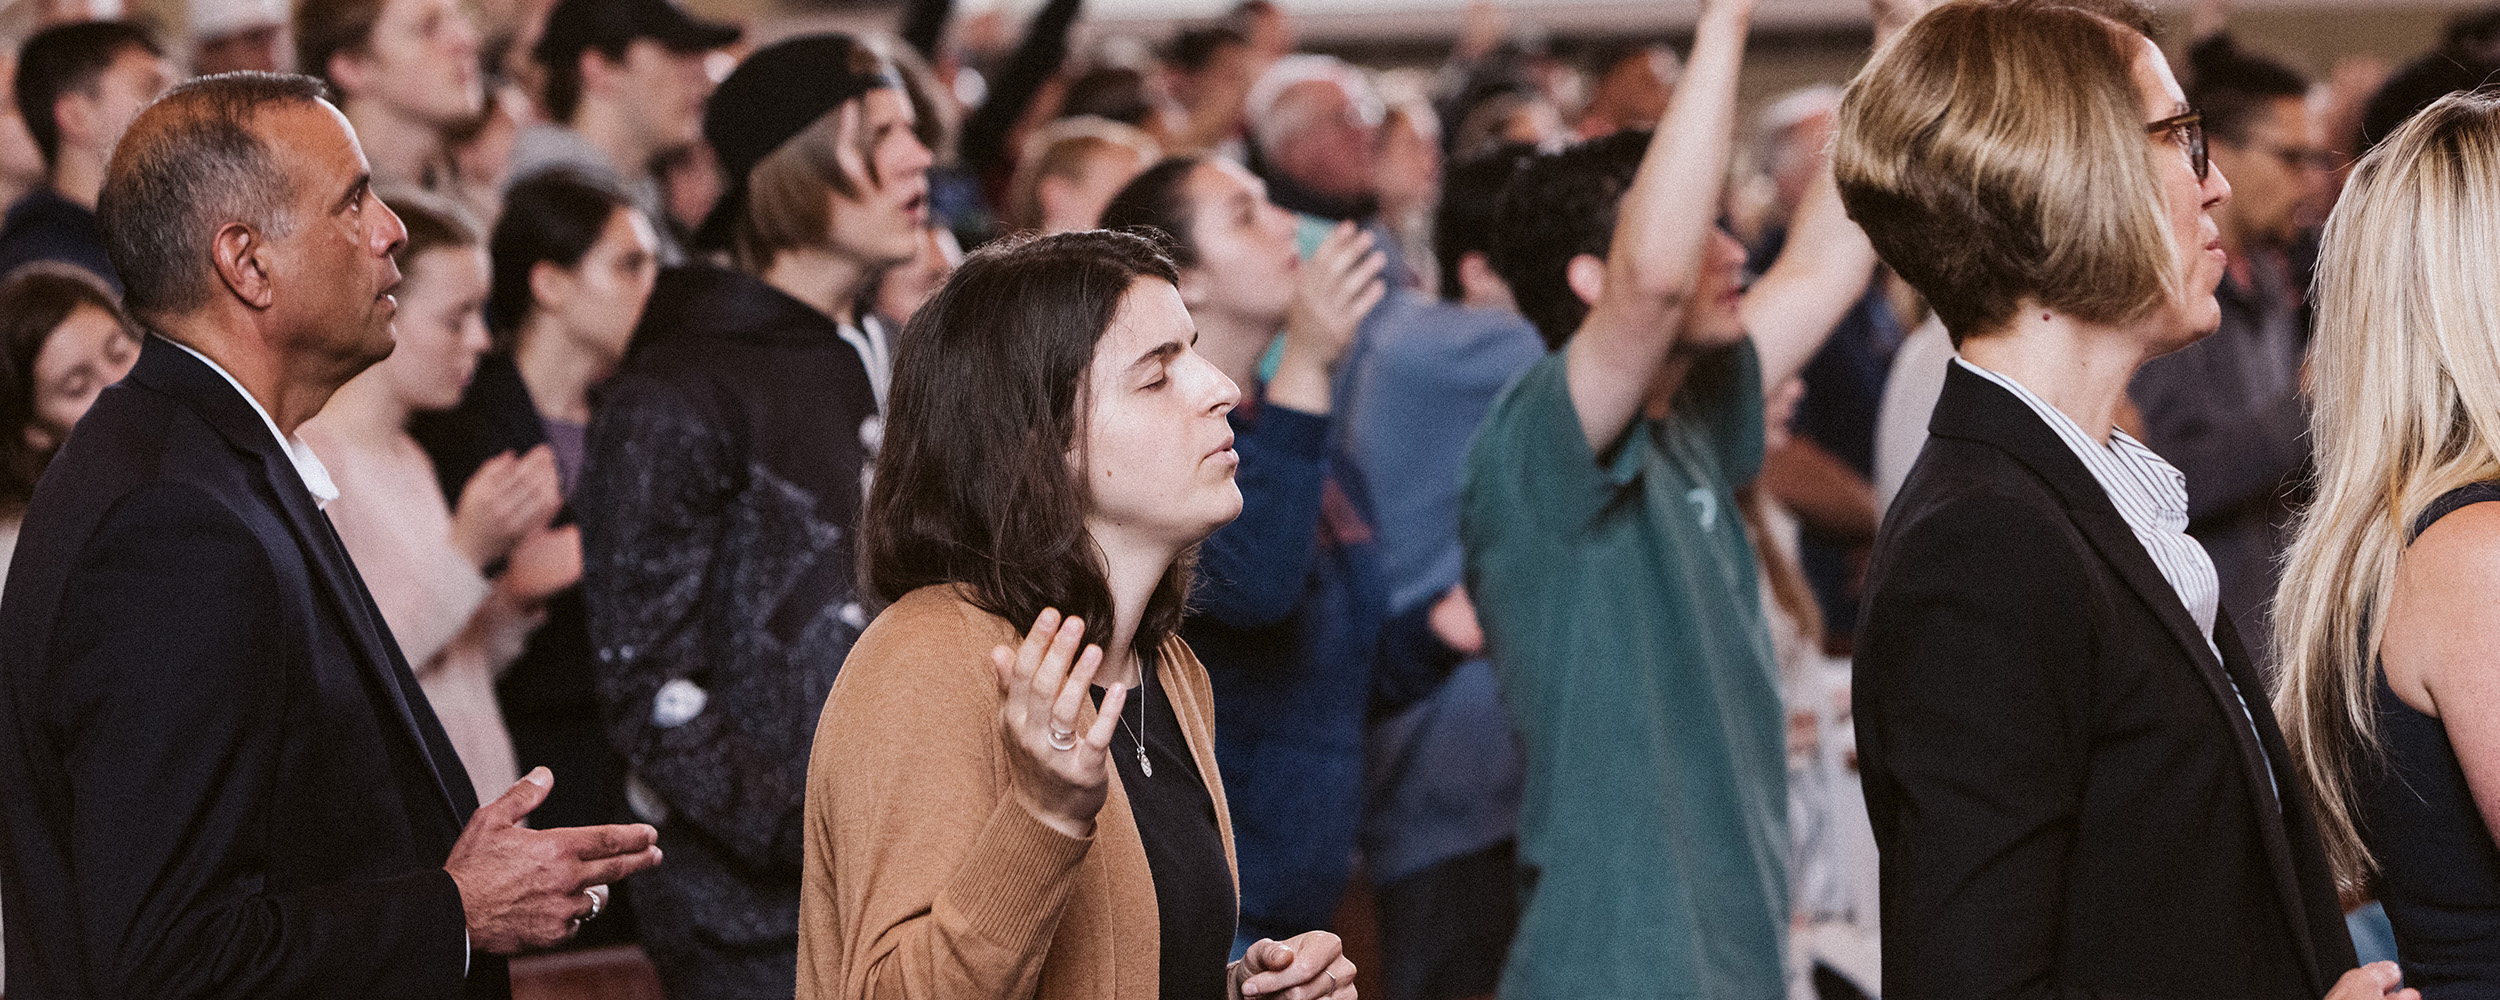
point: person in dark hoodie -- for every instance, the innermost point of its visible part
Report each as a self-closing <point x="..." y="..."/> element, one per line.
<point x="721" y="483"/>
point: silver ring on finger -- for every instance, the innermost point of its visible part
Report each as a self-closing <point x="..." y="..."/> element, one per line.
<point x="1332" y="983"/>
<point x="1062" y="739"/>
<point x="598" y="902"/>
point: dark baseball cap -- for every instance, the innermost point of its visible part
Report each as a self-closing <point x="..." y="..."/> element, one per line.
<point x="577" y="26"/>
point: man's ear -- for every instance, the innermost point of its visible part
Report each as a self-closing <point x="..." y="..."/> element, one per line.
<point x="73" y="116"/>
<point x="1586" y="275"/>
<point x="596" y="71"/>
<point x="242" y="258"/>
<point x="348" y="72"/>
<point x="550" y="285"/>
<point x="1049" y="194"/>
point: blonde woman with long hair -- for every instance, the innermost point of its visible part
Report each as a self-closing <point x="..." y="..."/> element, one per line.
<point x="2389" y="697"/>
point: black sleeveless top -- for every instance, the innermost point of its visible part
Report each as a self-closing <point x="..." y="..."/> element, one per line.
<point x="2440" y="870"/>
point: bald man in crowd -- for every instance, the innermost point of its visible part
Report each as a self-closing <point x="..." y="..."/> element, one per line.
<point x="223" y="780"/>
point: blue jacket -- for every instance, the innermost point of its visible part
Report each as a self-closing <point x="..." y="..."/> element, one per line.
<point x="1287" y="619"/>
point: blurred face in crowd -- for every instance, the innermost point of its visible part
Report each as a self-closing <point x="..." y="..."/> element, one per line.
<point x="2190" y="204"/>
<point x="88" y="351"/>
<point x="2277" y="173"/>
<point x="1632" y="94"/>
<point x="441" y="328"/>
<point x="102" y="113"/>
<point x="421" y="63"/>
<point x="331" y="266"/>
<point x="1335" y="150"/>
<point x="1246" y="254"/>
<point x="1158" y="454"/>
<point x="660" y="89"/>
<point x="597" y="302"/>
<point x="1714" y="321"/>
<point x="883" y="225"/>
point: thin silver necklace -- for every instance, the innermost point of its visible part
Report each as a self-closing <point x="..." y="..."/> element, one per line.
<point x="1145" y="671"/>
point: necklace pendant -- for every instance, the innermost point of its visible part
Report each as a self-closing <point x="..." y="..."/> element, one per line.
<point x="1144" y="766"/>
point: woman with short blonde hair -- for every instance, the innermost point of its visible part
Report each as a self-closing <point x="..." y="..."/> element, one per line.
<point x="2071" y="777"/>
<point x="2385" y="625"/>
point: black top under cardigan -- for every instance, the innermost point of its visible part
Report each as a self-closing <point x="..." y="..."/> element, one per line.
<point x="2068" y="798"/>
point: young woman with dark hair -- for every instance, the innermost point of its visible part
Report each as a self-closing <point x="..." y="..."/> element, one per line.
<point x="995" y="815"/>
<point x="62" y="340"/>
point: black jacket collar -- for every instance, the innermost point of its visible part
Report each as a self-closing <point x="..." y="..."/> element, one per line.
<point x="172" y="371"/>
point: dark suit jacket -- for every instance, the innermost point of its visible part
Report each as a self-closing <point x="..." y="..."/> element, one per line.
<point x="2068" y="797"/>
<point x="222" y="779"/>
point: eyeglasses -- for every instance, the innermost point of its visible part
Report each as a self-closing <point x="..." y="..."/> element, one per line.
<point x="2187" y="130"/>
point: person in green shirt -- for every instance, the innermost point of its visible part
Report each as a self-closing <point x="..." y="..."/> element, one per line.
<point x="1608" y="564"/>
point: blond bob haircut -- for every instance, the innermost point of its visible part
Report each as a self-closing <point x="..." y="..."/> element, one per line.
<point x="1995" y="152"/>
<point x="2407" y="375"/>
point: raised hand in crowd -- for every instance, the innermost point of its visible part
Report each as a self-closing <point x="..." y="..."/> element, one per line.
<point x="509" y="497"/>
<point x="1062" y="776"/>
<point x="1333" y="291"/>
<point x="522" y="888"/>
<point x="543" y="564"/>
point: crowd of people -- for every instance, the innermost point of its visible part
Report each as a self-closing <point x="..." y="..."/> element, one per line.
<point x="928" y="516"/>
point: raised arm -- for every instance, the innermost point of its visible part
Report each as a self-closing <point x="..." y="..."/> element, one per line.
<point x="1820" y="275"/>
<point x="1823" y="269"/>
<point x="1656" y="256"/>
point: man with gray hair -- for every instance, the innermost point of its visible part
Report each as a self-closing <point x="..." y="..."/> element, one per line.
<point x="1316" y="141"/>
<point x="223" y="779"/>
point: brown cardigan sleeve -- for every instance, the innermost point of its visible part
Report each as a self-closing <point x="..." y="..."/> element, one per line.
<point x="924" y="877"/>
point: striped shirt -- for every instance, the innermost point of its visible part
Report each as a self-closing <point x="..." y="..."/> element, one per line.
<point x="2151" y="494"/>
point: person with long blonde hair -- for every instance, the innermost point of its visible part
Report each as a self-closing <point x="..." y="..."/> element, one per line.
<point x="2385" y="615"/>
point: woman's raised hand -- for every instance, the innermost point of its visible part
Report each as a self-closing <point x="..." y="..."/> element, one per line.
<point x="1335" y="289"/>
<point x="505" y="500"/>
<point x="1062" y="776"/>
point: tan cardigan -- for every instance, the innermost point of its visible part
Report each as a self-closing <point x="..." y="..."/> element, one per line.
<point x="925" y="878"/>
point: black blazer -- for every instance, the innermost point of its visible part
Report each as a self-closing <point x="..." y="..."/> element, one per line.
<point x="222" y="779"/>
<point x="2069" y="799"/>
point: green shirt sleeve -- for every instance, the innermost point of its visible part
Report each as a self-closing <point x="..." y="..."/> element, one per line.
<point x="1531" y="465"/>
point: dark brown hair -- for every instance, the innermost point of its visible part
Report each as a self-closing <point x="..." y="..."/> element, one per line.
<point x="974" y="486"/>
<point x="34" y="301"/>
<point x="67" y="59"/>
<point x="1159" y="200"/>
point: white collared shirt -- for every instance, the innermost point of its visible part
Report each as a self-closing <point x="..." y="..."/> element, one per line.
<point x="307" y="465"/>
<point x="2151" y="495"/>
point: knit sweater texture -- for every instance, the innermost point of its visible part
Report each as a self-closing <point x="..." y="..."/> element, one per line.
<point x="925" y="877"/>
